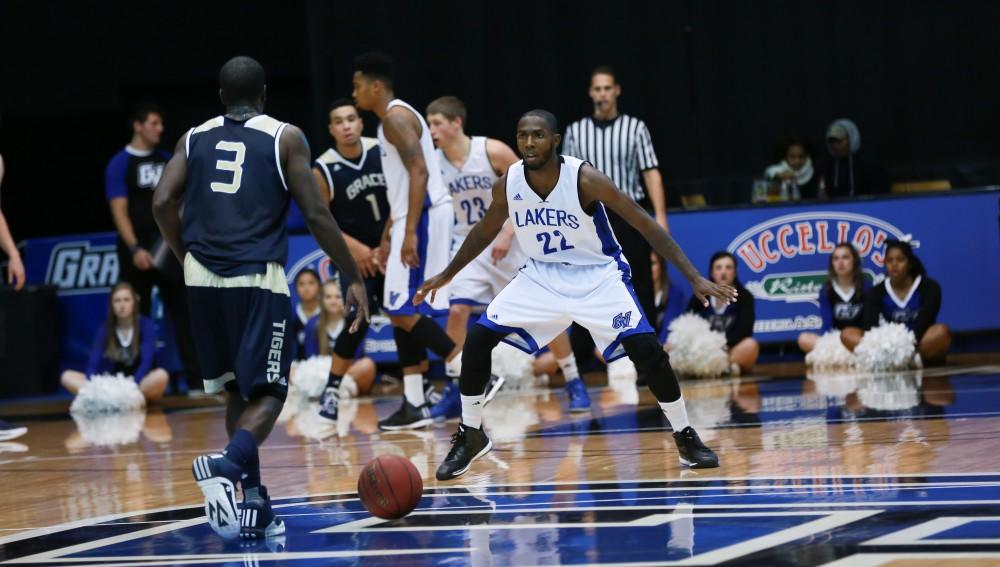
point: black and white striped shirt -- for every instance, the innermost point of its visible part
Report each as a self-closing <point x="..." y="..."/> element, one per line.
<point x="620" y="148"/>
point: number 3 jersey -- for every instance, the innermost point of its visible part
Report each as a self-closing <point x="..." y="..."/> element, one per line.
<point x="557" y="229"/>
<point x="236" y="199"/>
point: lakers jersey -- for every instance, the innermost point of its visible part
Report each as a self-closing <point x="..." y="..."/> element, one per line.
<point x="397" y="179"/>
<point x="471" y="186"/>
<point x="236" y="199"/>
<point x="357" y="192"/>
<point x="557" y="229"/>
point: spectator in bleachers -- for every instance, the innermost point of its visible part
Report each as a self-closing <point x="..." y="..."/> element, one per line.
<point x="735" y="320"/>
<point x="321" y="338"/>
<point x="907" y="296"/>
<point x="842" y="296"/>
<point x="307" y="286"/>
<point x="129" y="181"/>
<point x="796" y="166"/>
<point x="669" y="299"/>
<point x="124" y="344"/>
<point x="851" y="173"/>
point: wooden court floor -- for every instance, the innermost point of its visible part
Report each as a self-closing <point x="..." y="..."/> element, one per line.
<point x="824" y="469"/>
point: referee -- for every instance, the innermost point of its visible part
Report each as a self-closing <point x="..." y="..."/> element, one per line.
<point x="619" y="146"/>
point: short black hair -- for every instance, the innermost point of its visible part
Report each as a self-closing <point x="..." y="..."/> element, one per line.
<point x="375" y="65"/>
<point x="307" y="272"/>
<point x="914" y="265"/>
<point x="605" y="70"/>
<point x="141" y="111"/>
<point x="241" y="80"/>
<point x="548" y="117"/>
<point x="337" y="103"/>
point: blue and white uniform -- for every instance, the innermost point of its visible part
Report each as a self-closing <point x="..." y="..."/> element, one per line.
<point x="471" y="187"/>
<point x="233" y="228"/>
<point x="433" y="230"/>
<point x="575" y="272"/>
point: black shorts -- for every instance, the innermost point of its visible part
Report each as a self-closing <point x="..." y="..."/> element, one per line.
<point x="244" y="339"/>
<point x="374" y="287"/>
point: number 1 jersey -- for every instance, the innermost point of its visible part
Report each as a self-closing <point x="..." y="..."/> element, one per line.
<point x="236" y="199"/>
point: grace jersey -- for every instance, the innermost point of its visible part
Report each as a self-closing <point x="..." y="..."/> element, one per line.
<point x="557" y="229"/>
<point x="236" y="198"/>
<point x="358" y="198"/>
<point x="471" y="186"/>
<point x="397" y="179"/>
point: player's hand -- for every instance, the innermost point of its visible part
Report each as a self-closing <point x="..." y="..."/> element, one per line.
<point x="365" y="258"/>
<point x="142" y="259"/>
<point x="703" y="289"/>
<point x="15" y="272"/>
<point x="357" y="299"/>
<point x="501" y="247"/>
<point x="430" y="286"/>
<point x="408" y="254"/>
<point x="380" y="256"/>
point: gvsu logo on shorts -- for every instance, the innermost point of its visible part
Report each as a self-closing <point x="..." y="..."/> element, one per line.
<point x="78" y="268"/>
<point x="621" y="320"/>
<point x="789" y="254"/>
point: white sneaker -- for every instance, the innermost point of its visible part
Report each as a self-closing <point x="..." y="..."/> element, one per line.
<point x="348" y="387"/>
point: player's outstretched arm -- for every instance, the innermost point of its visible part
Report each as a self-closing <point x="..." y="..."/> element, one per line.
<point x="481" y="235"/>
<point x="295" y="156"/>
<point x="595" y="186"/>
<point x="402" y="130"/>
<point x="167" y="199"/>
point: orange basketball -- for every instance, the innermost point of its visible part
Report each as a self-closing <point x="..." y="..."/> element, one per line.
<point x="390" y="487"/>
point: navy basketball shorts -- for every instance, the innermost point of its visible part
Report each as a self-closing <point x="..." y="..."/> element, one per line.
<point x="242" y="330"/>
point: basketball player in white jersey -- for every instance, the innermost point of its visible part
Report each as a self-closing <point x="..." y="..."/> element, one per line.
<point x="421" y="220"/>
<point x="575" y="273"/>
<point x="470" y="166"/>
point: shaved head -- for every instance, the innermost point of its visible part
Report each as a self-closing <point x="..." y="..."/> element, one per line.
<point x="550" y="119"/>
<point x="241" y="81"/>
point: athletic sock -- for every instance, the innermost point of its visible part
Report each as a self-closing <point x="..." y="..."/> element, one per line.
<point x="413" y="389"/>
<point x="242" y="448"/>
<point x="333" y="380"/>
<point x="251" y="472"/>
<point x="676" y="413"/>
<point x="568" y="367"/>
<point x="453" y="367"/>
<point x="472" y="411"/>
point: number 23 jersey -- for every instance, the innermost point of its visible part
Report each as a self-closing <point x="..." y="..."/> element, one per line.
<point x="557" y="229"/>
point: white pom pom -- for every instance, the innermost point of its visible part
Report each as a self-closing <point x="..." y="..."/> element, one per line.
<point x="889" y="346"/>
<point x="514" y="366"/>
<point x="110" y="429"/>
<point x="890" y="392"/>
<point x="105" y="395"/>
<point x="695" y="349"/>
<point x="833" y="383"/>
<point x="830" y="352"/>
<point x="311" y="376"/>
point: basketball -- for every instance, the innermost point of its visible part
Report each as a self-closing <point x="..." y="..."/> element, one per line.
<point x="390" y="487"/>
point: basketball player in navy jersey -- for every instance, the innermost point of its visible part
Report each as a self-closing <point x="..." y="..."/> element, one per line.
<point x="234" y="175"/>
<point x="470" y="166"/>
<point x="575" y="273"/>
<point x="419" y="232"/>
<point x="349" y="176"/>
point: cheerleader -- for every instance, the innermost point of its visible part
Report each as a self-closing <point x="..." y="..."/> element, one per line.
<point x="841" y="299"/>
<point x="907" y="296"/>
<point x="125" y="344"/>
<point x="321" y="337"/>
<point x="307" y="289"/>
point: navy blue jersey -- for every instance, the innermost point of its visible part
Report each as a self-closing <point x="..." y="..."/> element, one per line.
<point x="236" y="199"/>
<point x="841" y="308"/>
<point x="358" y="192"/>
<point x="133" y="174"/>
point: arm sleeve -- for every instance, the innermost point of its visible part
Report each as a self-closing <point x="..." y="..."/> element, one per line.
<point x="147" y="348"/>
<point x="745" y="319"/>
<point x="872" y="308"/>
<point x="114" y="177"/>
<point x="644" y="147"/>
<point x="930" y="305"/>
<point x="825" y="310"/>
<point x="96" y="351"/>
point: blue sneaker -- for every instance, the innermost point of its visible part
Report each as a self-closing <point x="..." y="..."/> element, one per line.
<point x="579" y="399"/>
<point x="450" y="404"/>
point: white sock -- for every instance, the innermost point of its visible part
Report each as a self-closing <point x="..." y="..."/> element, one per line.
<point x="453" y="367"/>
<point x="413" y="389"/>
<point x="676" y="414"/>
<point x="568" y="367"/>
<point x="472" y="411"/>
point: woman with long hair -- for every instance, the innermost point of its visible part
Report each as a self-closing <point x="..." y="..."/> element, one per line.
<point x="125" y="344"/>
<point x="908" y="296"/>
<point x="841" y="299"/>
<point x="735" y="320"/>
<point x="307" y="289"/>
<point x="321" y="338"/>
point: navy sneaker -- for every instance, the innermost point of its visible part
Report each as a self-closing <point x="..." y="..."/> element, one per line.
<point x="10" y="431"/>
<point x="328" y="403"/>
<point x="257" y="520"/>
<point x="450" y="404"/>
<point x="579" y="399"/>
<point x="217" y="477"/>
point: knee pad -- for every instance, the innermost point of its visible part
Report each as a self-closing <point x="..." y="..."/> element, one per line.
<point x="408" y="351"/>
<point x="348" y="343"/>
<point x="645" y="352"/>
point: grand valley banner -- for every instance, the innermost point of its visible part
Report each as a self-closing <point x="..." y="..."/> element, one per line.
<point x="782" y="254"/>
